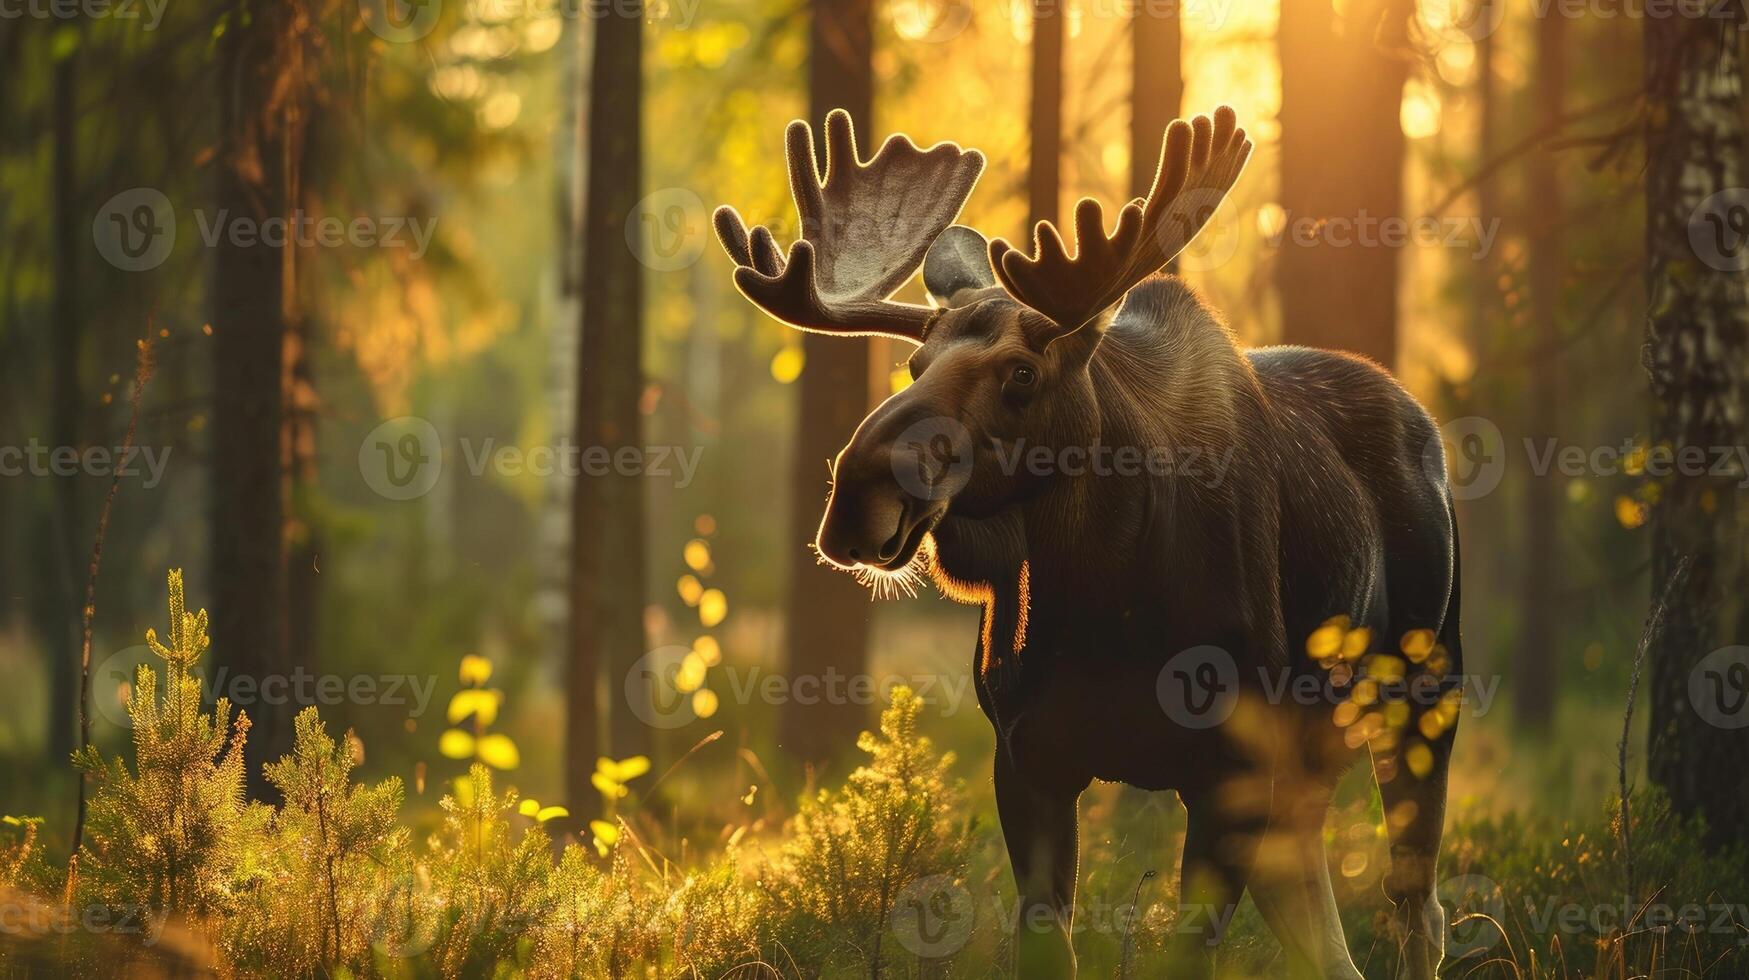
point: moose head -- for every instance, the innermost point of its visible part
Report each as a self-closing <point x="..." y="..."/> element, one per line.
<point x="1003" y="351"/>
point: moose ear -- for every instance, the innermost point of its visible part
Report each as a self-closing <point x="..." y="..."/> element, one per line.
<point x="958" y="259"/>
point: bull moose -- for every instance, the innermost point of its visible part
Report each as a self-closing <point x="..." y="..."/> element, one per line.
<point x="1139" y="621"/>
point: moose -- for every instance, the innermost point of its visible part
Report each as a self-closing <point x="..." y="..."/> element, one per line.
<point x="1141" y="623"/>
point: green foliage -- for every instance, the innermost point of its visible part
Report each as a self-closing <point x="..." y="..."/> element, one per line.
<point x="490" y="886"/>
<point x="336" y="859"/>
<point x="1562" y="905"/>
<point x="853" y="850"/>
<point x="175" y="832"/>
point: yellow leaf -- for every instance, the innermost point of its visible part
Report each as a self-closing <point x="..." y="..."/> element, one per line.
<point x="630" y="768"/>
<point x="712" y="607"/>
<point x="528" y="808"/>
<point x="697" y="554"/>
<point x="456" y="744"/>
<point x="786" y="365"/>
<point x="551" y="813"/>
<point x="483" y="705"/>
<point x="690" y="590"/>
<point x="690" y="676"/>
<point x="704" y="703"/>
<point x="1417" y="644"/>
<point x="1324" y="642"/>
<point x="476" y="669"/>
<point x="708" y="650"/>
<point x="1420" y="759"/>
<point x="604" y="832"/>
<point x="499" y="752"/>
<point x="607" y="786"/>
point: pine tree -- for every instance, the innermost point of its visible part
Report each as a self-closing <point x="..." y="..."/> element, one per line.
<point x="340" y="858"/>
<point x="174" y="833"/>
<point x="854" y="850"/>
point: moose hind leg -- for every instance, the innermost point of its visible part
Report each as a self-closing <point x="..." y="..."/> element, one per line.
<point x="1412" y="776"/>
<point x="1040" y="830"/>
<point x="1291" y="886"/>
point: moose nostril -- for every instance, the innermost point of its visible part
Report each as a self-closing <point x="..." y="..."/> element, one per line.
<point x="890" y="550"/>
<point x="854" y="555"/>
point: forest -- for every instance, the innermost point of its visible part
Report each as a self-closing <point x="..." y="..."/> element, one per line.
<point x="430" y="548"/>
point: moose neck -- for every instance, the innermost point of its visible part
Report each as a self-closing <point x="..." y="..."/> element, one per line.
<point x="1173" y="397"/>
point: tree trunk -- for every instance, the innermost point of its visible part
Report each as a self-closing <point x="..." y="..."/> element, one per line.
<point x="249" y="289"/>
<point x="1045" y="121"/>
<point x="607" y="512"/>
<point x="63" y="584"/>
<point x="1156" y="91"/>
<point x="1695" y="353"/>
<point x="1342" y="153"/>
<point x="1539" y="619"/>
<point x="827" y="620"/>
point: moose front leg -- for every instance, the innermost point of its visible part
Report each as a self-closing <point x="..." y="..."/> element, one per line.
<point x="1220" y="846"/>
<point x="1039" y="827"/>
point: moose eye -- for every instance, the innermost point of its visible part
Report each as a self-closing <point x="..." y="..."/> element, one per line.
<point x="1023" y="375"/>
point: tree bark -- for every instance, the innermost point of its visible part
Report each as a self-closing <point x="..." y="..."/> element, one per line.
<point x="1045" y="120"/>
<point x="249" y="293"/>
<point x="1342" y="154"/>
<point x="1539" y="620"/>
<point x="607" y="515"/>
<point x="1156" y="89"/>
<point x="827" y="619"/>
<point x="1695" y="352"/>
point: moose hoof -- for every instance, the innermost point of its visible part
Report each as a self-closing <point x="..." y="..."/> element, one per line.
<point x="1419" y="926"/>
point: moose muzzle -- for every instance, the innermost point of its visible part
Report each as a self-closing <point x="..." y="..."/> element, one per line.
<point x="892" y="484"/>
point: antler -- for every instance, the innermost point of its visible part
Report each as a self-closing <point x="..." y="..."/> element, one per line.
<point x="865" y="230"/>
<point x="1199" y="161"/>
